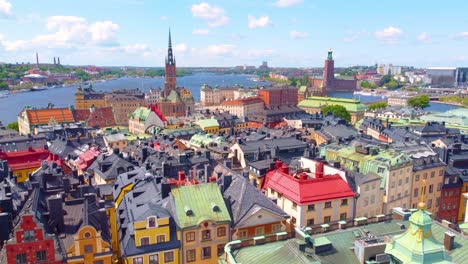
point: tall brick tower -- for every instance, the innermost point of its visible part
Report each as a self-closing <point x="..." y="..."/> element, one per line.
<point x="328" y="72"/>
<point x="170" y="70"/>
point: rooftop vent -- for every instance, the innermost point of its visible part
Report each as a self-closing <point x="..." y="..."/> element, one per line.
<point x="215" y="207"/>
<point x="188" y="211"/>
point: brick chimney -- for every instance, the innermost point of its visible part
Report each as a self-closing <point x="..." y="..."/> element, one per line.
<point x="449" y="238"/>
<point x="319" y="170"/>
<point x="285" y="169"/>
<point x="303" y="176"/>
<point x="181" y="176"/>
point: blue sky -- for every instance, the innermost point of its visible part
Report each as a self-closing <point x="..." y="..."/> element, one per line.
<point x="293" y="33"/>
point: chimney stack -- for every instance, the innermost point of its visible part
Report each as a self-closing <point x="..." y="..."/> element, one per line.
<point x="165" y="189"/>
<point x="181" y="176"/>
<point x="227" y="180"/>
<point x="319" y="170"/>
<point x="449" y="238"/>
<point x="55" y="208"/>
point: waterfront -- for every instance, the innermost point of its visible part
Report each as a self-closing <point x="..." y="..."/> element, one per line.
<point x="64" y="96"/>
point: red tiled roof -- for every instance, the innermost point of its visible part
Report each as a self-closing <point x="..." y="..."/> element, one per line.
<point x="43" y="116"/>
<point x="158" y="112"/>
<point x="81" y="115"/>
<point x="30" y="158"/>
<point x="329" y="187"/>
<point x="101" y="117"/>
<point x="87" y="158"/>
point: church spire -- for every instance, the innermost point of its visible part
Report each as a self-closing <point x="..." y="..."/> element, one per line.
<point x="170" y="57"/>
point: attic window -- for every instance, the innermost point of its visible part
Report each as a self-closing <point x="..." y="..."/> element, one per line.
<point x="151" y="222"/>
<point x="215" y="208"/>
<point x="188" y="211"/>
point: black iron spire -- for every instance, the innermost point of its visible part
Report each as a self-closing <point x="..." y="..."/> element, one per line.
<point x="170" y="57"/>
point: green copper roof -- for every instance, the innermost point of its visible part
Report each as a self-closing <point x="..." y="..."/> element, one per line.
<point x="417" y="245"/>
<point x="210" y="122"/>
<point x="197" y="203"/>
<point x="352" y="105"/>
<point x="141" y="113"/>
<point x="174" y="97"/>
<point x="204" y="139"/>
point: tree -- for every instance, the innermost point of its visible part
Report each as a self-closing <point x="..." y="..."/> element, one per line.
<point x="13" y="126"/>
<point x="82" y="75"/>
<point x="3" y="85"/>
<point x="385" y="79"/>
<point x="421" y="101"/>
<point x="377" y="106"/>
<point x="367" y="84"/>
<point x="391" y="85"/>
<point x="337" y="110"/>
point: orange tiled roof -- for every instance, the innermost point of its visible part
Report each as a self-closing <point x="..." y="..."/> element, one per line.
<point x="43" y="116"/>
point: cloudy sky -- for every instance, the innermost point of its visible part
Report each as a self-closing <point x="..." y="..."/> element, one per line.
<point x="294" y="33"/>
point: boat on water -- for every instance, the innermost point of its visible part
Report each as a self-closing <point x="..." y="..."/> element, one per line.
<point x="363" y="93"/>
<point x="37" y="88"/>
<point x="3" y="95"/>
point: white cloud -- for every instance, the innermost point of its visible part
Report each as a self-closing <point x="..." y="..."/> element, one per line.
<point x="354" y="35"/>
<point x="221" y="49"/>
<point x="163" y="18"/>
<point x="262" y="21"/>
<point x="286" y="3"/>
<point x="461" y="36"/>
<point x="423" y="37"/>
<point x="389" y="35"/>
<point x="260" y="53"/>
<point x="181" y="48"/>
<point x="135" y="48"/>
<point x="69" y="32"/>
<point x="212" y="16"/>
<point x="294" y="34"/>
<point x="5" y="9"/>
<point x="200" y="31"/>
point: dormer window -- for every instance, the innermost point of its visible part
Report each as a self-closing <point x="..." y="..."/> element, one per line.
<point x="151" y="222"/>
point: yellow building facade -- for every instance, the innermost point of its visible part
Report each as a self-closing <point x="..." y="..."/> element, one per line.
<point x="89" y="247"/>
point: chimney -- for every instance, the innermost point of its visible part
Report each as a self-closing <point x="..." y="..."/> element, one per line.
<point x="228" y="163"/>
<point x="165" y="189"/>
<point x="144" y="154"/>
<point x="227" y="180"/>
<point x="319" y="170"/>
<point x="56" y="219"/>
<point x="285" y="169"/>
<point x="207" y="172"/>
<point x="278" y="164"/>
<point x="164" y="169"/>
<point x="181" y="176"/>
<point x="245" y="175"/>
<point x="449" y="238"/>
<point x="303" y="176"/>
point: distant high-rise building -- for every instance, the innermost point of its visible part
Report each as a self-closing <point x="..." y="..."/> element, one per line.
<point x="37" y="60"/>
<point x="55" y="61"/>
<point x="58" y="60"/>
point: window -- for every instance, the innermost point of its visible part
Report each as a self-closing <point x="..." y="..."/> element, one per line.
<point x="280" y="195"/>
<point x="190" y="236"/>
<point x="311" y="207"/>
<point x="29" y="235"/>
<point x="206" y="234"/>
<point x="380" y="170"/>
<point x="372" y="199"/>
<point x="21" y="258"/>
<point x="441" y="173"/>
<point x="88" y="249"/>
<point x="243" y="233"/>
<point x="144" y="241"/>
<point x="328" y="205"/>
<point x="160" y="238"/>
<point x="415" y="192"/>
<point x="343" y="216"/>
<point x="439" y="186"/>
<point x="431" y="188"/>
<point x="220" y="249"/>
<point x="138" y="260"/>
<point x="221" y="231"/>
<point x="366" y="201"/>
<point x="190" y="255"/>
<point x="259" y="231"/>
<point x="327" y="219"/>
<point x="429" y="204"/>
<point x="416" y="177"/>
<point x="407" y="180"/>
<point x="449" y="206"/>
<point x="433" y="174"/>
<point x="206" y="252"/>
<point x="344" y="202"/>
<point x="294" y="206"/>
<point x="154" y="259"/>
<point x="447" y="180"/>
<point x="425" y="175"/>
<point x="310" y="222"/>
<point x="276" y="228"/>
<point x="437" y="201"/>
<point x="41" y="256"/>
<point x="169" y="256"/>
<point x="393" y="184"/>
<point x="151" y="222"/>
<point x="400" y="182"/>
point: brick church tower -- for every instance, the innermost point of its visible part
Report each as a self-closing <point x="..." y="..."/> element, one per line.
<point x="170" y="70"/>
<point x="328" y="72"/>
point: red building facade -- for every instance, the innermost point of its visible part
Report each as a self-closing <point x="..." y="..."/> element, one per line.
<point x="450" y="197"/>
<point x="30" y="245"/>
<point x="278" y="96"/>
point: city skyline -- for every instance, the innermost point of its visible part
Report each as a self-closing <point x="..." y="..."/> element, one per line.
<point x="289" y="33"/>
